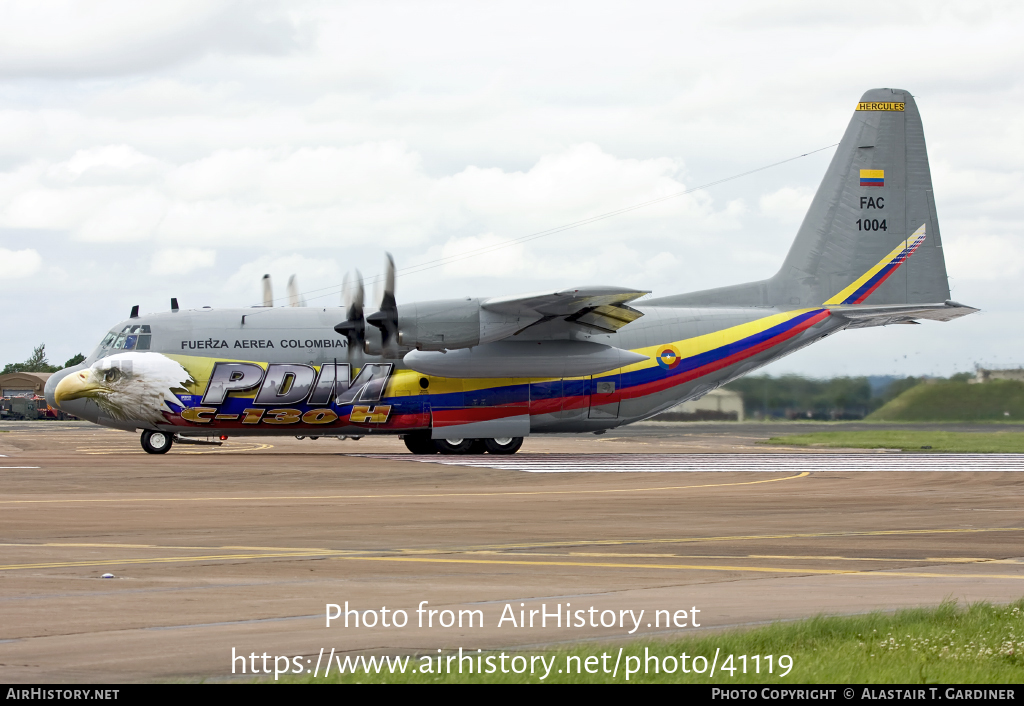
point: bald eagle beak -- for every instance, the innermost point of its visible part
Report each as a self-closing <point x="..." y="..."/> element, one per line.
<point x="76" y="386"/>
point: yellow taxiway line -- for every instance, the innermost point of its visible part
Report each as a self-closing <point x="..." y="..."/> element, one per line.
<point x="510" y="562"/>
<point x="402" y="495"/>
<point x="683" y="567"/>
<point x="741" y="538"/>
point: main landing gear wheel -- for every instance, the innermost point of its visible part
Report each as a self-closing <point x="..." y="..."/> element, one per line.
<point x="420" y="443"/>
<point x="453" y="446"/>
<point x="156" y="442"/>
<point x="508" y="445"/>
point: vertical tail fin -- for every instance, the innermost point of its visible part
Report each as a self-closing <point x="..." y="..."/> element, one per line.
<point x="873" y="210"/>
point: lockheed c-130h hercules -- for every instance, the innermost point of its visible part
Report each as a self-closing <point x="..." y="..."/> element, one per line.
<point x="475" y="375"/>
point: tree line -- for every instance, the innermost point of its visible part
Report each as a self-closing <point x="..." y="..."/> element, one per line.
<point x="37" y="363"/>
<point x="798" y="397"/>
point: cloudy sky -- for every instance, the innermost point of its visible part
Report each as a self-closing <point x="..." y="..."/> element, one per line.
<point x="185" y="148"/>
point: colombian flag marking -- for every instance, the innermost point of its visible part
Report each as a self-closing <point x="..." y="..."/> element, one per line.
<point x="872" y="177"/>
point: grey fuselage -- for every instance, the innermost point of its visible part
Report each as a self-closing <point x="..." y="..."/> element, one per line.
<point x="305" y="336"/>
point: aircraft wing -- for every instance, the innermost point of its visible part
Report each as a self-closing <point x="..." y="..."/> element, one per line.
<point x="866" y="316"/>
<point x="602" y="308"/>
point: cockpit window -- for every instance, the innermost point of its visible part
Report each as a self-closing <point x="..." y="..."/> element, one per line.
<point x="132" y="337"/>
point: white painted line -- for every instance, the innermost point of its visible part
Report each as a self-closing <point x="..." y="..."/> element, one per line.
<point x="10" y="467"/>
<point x="711" y="463"/>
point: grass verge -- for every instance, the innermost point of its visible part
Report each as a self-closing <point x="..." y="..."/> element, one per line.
<point x="956" y="401"/>
<point x="940" y="441"/>
<point x="979" y="644"/>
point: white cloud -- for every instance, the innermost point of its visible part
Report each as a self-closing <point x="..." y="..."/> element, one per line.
<point x="175" y="261"/>
<point x="105" y="164"/>
<point x="19" y="264"/>
<point x="984" y="257"/>
<point x="787" y="205"/>
<point x="56" y="38"/>
<point x="309" y="137"/>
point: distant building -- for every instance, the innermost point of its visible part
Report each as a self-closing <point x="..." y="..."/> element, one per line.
<point x="717" y="405"/>
<point x="988" y="375"/>
<point x="23" y="384"/>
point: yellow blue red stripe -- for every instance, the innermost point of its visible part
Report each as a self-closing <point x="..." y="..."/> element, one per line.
<point x="452" y="401"/>
<point x="871" y="280"/>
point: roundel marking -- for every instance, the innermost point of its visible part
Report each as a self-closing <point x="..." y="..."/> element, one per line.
<point x="668" y="357"/>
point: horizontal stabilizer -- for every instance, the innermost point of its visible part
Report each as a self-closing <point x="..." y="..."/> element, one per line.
<point x="867" y="316"/>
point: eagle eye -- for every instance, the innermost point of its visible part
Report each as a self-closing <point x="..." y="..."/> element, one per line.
<point x="112" y="375"/>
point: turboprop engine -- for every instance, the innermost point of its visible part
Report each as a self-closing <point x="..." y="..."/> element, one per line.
<point x="441" y="325"/>
<point x="450" y="324"/>
<point x="474" y="337"/>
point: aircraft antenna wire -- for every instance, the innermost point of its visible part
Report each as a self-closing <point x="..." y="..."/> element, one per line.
<point x="442" y="261"/>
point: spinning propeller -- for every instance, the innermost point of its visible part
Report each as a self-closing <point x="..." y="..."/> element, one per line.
<point x="385" y="318"/>
<point x="354" y="326"/>
<point x="294" y="298"/>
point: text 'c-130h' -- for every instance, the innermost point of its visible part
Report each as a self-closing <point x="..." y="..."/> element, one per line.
<point x="476" y="375"/>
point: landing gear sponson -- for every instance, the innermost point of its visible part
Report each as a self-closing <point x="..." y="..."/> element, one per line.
<point x="421" y="443"/>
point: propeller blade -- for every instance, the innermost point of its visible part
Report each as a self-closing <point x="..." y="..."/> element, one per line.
<point x="294" y="299"/>
<point x="386" y="317"/>
<point x="388" y="300"/>
<point x="268" y="291"/>
<point x="354" y="326"/>
<point x="352" y="291"/>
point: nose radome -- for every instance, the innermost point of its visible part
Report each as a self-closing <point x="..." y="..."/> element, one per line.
<point x="55" y="379"/>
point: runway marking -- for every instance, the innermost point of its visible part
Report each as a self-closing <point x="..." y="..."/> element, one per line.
<point x="789" y="557"/>
<point x="274" y="551"/>
<point x="403" y="495"/>
<point x="130" y="448"/>
<point x="507" y="562"/>
<point x="302" y="551"/>
<point x="704" y="463"/>
<point x="317" y="551"/>
<point x="162" y="560"/>
<point x="683" y="567"/>
<point x="10" y="468"/>
<point x="752" y="537"/>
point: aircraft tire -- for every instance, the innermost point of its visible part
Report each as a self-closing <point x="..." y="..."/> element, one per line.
<point x="453" y="447"/>
<point x="503" y="446"/>
<point x="419" y="444"/>
<point x="479" y="447"/>
<point x="156" y="442"/>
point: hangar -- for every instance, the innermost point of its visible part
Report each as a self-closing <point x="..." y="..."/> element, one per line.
<point x="23" y="384"/>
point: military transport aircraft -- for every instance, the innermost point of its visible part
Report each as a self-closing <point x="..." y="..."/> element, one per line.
<point x="475" y="375"/>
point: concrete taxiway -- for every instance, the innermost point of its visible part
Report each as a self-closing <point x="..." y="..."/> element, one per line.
<point x="242" y="546"/>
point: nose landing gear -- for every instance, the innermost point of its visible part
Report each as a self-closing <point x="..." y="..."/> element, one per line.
<point x="156" y="442"/>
